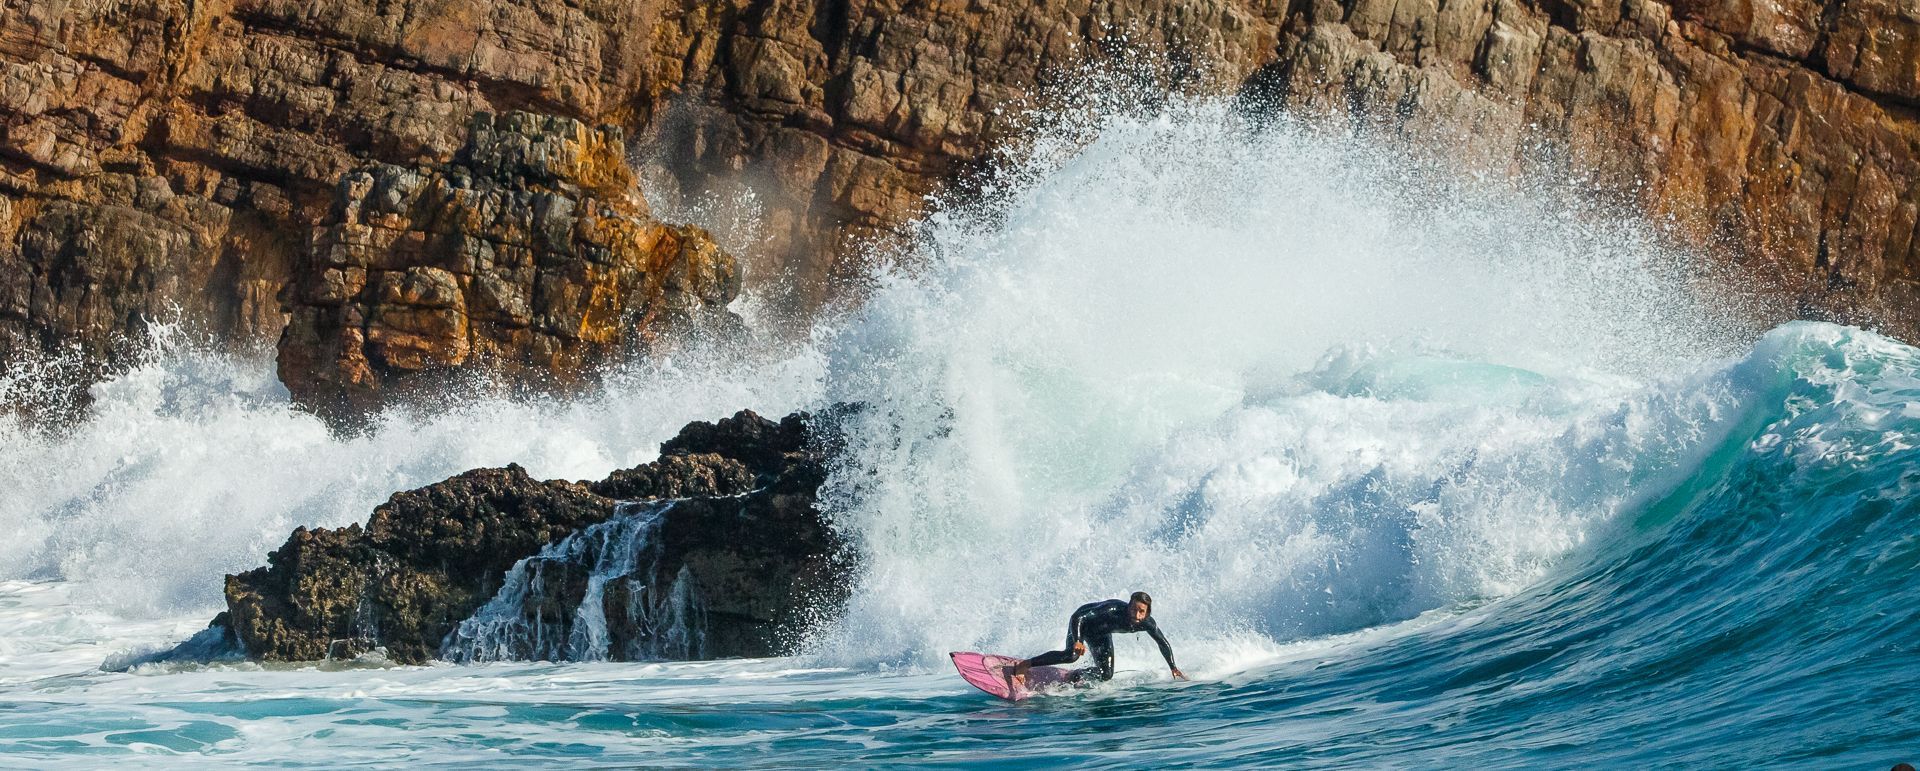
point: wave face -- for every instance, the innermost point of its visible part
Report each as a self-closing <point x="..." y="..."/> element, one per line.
<point x="1292" y="385"/>
<point x="1760" y="611"/>
<point x="1423" y="469"/>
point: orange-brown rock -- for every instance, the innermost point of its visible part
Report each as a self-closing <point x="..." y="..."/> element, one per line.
<point x="155" y="153"/>
<point x="158" y="154"/>
<point x="840" y="118"/>
<point x="529" y="257"/>
<point x="1782" y="139"/>
<point x="1735" y="124"/>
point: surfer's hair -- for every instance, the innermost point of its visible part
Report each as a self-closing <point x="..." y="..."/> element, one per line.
<point x="1143" y="598"/>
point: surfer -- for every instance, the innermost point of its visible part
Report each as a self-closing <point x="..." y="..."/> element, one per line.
<point x="1092" y="627"/>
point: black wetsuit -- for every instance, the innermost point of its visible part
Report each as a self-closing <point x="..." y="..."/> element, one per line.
<point x="1095" y="624"/>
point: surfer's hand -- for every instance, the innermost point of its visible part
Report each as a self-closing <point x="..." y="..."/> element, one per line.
<point x="1179" y="675"/>
<point x="1079" y="649"/>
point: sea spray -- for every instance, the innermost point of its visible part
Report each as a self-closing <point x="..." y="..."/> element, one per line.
<point x="554" y="606"/>
<point x="192" y="463"/>
<point x="1293" y="384"/>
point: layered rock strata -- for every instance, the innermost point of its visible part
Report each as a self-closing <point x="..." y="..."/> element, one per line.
<point x="161" y="159"/>
<point x="839" y="119"/>
<point x="529" y="258"/>
<point x="744" y="530"/>
<point x="156" y="155"/>
<point x="1781" y="140"/>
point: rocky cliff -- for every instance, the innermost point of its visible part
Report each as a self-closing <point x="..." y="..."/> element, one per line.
<point x="157" y="154"/>
<point x="529" y="258"/>
<point x="742" y="541"/>
<point x="1780" y="138"/>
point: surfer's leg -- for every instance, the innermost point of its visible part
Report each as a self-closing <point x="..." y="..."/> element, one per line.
<point x="1047" y="659"/>
<point x="1102" y="650"/>
<point x="1050" y="658"/>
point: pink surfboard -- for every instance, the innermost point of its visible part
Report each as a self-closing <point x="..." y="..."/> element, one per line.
<point x="986" y="672"/>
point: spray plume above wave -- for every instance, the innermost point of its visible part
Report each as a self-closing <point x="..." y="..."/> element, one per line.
<point x="1295" y="384"/>
<point x="1183" y="301"/>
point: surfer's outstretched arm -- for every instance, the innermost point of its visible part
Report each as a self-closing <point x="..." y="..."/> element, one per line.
<point x="1166" y="649"/>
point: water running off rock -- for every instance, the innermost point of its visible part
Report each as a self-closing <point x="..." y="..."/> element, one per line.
<point x="598" y="595"/>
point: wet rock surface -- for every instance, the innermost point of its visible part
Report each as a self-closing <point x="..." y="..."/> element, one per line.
<point x="743" y="541"/>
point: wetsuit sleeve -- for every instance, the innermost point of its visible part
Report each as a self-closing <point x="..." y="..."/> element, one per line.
<point x="1166" y="650"/>
<point x="1075" y="624"/>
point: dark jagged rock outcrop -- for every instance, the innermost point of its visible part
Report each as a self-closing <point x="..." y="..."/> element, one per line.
<point x="421" y="564"/>
<point x="746" y="533"/>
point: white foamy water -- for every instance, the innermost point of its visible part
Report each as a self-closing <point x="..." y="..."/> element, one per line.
<point x="1293" y="385"/>
<point x="667" y="617"/>
<point x="194" y="463"/>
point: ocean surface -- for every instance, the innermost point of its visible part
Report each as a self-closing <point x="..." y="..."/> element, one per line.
<point x="1424" y="469"/>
